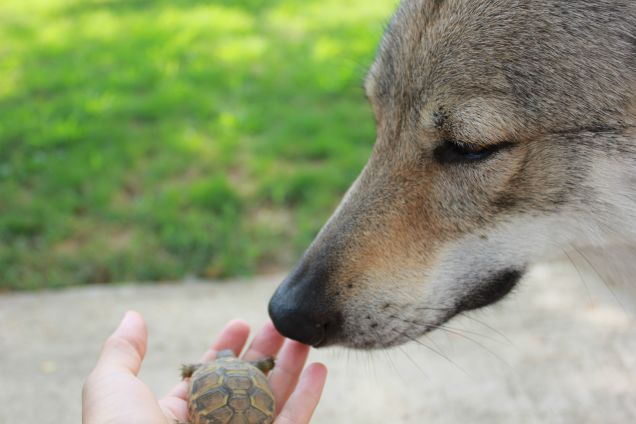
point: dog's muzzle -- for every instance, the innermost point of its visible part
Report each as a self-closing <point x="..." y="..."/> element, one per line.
<point x="301" y="310"/>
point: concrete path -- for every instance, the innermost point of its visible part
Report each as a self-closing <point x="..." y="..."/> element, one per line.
<point x="561" y="350"/>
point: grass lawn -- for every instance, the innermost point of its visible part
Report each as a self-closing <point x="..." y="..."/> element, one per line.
<point x="146" y="140"/>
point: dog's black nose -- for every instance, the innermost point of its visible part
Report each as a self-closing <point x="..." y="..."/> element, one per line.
<point x="301" y="311"/>
<point x="299" y="323"/>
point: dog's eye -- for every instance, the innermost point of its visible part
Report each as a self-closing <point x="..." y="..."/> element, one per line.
<point x="453" y="152"/>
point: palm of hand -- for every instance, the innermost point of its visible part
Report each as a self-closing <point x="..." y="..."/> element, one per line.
<point x="114" y="394"/>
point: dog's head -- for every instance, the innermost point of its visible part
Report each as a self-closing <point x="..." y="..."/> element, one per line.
<point x="491" y="119"/>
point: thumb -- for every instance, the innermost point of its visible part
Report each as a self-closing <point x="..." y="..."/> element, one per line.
<point x="125" y="348"/>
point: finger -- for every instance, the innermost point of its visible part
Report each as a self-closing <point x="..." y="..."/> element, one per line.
<point x="176" y="408"/>
<point x="125" y="348"/>
<point x="179" y="391"/>
<point x="303" y="401"/>
<point x="267" y="342"/>
<point x="284" y="376"/>
<point x="233" y="337"/>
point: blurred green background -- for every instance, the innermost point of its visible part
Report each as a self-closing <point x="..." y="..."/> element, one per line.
<point x="150" y="140"/>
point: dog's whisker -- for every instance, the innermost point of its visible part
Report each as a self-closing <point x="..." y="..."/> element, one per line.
<point x="432" y="340"/>
<point x="425" y="308"/>
<point x="473" y="333"/>
<point x="386" y="352"/>
<point x="415" y="364"/>
<point x="419" y="342"/>
<point x="478" y="344"/>
<point x="609" y="287"/>
<point x="489" y="327"/>
<point x="581" y="276"/>
<point x="457" y="333"/>
<point x="444" y="326"/>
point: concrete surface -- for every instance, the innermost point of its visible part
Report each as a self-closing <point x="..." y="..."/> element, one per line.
<point x="561" y="350"/>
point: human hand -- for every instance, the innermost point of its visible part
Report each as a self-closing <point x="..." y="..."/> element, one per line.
<point x="114" y="394"/>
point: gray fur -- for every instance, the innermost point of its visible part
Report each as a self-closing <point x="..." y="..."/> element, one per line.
<point x="423" y="234"/>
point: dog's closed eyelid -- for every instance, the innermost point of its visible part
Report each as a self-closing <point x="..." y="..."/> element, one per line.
<point x="453" y="152"/>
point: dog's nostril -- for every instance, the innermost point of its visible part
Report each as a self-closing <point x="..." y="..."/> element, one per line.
<point x="331" y="327"/>
<point x="298" y="327"/>
<point x="303" y="324"/>
<point x="301" y="309"/>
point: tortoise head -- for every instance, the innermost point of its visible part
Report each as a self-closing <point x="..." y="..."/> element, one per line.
<point x="225" y="354"/>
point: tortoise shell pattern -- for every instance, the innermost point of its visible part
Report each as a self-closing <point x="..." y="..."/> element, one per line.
<point x="230" y="391"/>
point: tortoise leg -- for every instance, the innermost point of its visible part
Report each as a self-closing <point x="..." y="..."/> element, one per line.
<point x="265" y="365"/>
<point x="188" y="370"/>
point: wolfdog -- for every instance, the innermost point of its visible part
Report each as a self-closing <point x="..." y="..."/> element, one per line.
<point x="506" y="133"/>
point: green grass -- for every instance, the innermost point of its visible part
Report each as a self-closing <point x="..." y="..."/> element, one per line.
<point x="151" y="140"/>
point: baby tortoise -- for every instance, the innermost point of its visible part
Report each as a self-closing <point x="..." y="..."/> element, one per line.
<point x="230" y="391"/>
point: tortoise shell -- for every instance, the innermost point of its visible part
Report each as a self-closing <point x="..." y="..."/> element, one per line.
<point x="230" y="391"/>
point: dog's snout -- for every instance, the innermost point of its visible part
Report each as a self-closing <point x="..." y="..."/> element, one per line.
<point x="300" y="324"/>
<point x="300" y="309"/>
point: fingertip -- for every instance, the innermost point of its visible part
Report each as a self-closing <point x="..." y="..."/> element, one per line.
<point x="267" y="342"/>
<point x="316" y="374"/>
<point x="295" y="349"/>
<point x="293" y="355"/>
<point x="133" y="329"/>
<point x="269" y="326"/>
<point x="237" y="324"/>
<point x="125" y="348"/>
<point x="179" y="391"/>
<point x="300" y="346"/>
<point x="235" y="329"/>
<point x="132" y="319"/>
<point x="317" y="368"/>
<point x="233" y="337"/>
<point x="269" y="332"/>
<point x="236" y="333"/>
<point x="132" y="314"/>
